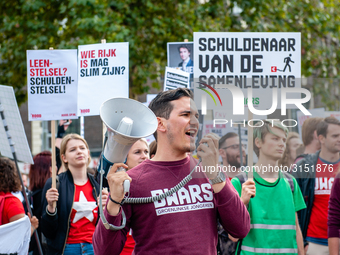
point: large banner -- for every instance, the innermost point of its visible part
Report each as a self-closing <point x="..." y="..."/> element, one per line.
<point x="52" y="84"/>
<point x="260" y="61"/>
<point x="103" y="73"/>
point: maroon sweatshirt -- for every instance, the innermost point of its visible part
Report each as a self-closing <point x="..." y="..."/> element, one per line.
<point x="184" y="223"/>
<point x="334" y="209"/>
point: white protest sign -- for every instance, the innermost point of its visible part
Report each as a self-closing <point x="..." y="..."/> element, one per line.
<point x="149" y="139"/>
<point x="149" y="98"/>
<point x="227" y="115"/>
<point x="103" y="73"/>
<point x="223" y="129"/>
<point x="175" y="78"/>
<point x="52" y="84"/>
<point x="219" y="129"/>
<point x="260" y="61"/>
<point x="333" y="114"/>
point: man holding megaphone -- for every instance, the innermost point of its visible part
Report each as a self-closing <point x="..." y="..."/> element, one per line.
<point x="184" y="222"/>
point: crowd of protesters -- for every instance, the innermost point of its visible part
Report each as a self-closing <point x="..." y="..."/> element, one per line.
<point x="229" y="212"/>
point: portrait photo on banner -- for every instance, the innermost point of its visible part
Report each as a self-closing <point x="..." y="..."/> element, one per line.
<point x="180" y="56"/>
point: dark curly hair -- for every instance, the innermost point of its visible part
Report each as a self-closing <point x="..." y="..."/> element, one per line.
<point x="9" y="179"/>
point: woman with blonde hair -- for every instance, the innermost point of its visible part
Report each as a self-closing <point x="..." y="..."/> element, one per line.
<point x="70" y="224"/>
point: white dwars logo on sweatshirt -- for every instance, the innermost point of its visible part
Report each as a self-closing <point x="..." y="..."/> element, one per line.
<point x="323" y="185"/>
<point x="194" y="197"/>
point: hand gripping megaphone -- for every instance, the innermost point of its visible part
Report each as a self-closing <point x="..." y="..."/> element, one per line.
<point x="127" y="121"/>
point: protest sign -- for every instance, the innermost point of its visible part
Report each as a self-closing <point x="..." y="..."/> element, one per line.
<point x="175" y="78"/>
<point x="264" y="62"/>
<point x="103" y="73"/>
<point x="149" y="98"/>
<point x="223" y="129"/>
<point x="52" y="84"/>
<point x="227" y="114"/>
<point x="11" y="128"/>
<point x="180" y="56"/>
<point x="218" y="129"/>
<point x="333" y="114"/>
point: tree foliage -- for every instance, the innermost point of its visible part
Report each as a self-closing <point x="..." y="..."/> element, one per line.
<point x="148" y="25"/>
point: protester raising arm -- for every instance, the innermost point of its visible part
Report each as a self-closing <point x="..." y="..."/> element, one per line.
<point x="224" y="192"/>
<point x="189" y="215"/>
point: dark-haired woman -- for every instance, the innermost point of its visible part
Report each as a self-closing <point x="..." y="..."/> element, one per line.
<point x="10" y="182"/>
<point x="38" y="175"/>
<point x="11" y="208"/>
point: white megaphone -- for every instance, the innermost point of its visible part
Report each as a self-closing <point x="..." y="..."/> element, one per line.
<point x="127" y="121"/>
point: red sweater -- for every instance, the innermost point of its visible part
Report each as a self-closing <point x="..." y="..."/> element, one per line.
<point x="185" y="222"/>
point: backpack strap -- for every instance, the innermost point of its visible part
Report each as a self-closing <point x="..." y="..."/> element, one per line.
<point x="290" y="180"/>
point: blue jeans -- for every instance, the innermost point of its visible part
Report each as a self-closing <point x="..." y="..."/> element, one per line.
<point x="79" y="249"/>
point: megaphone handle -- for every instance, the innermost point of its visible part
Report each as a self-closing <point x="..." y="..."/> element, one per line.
<point x="126" y="186"/>
<point x="126" y="183"/>
<point x="121" y="169"/>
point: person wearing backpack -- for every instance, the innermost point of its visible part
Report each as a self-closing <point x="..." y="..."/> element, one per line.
<point x="15" y="227"/>
<point x="315" y="175"/>
<point x="274" y="227"/>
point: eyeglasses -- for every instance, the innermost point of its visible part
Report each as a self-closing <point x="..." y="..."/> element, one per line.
<point x="235" y="147"/>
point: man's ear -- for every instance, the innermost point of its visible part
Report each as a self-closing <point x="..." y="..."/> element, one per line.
<point x="315" y="135"/>
<point x="222" y="153"/>
<point x="161" y="124"/>
<point x="321" y="139"/>
<point x="258" y="142"/>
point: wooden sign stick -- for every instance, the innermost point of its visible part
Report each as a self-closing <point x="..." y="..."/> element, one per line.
<point x="104" y="126"/>
<point x="54" y="164"/>
<point x="250" y="146"/>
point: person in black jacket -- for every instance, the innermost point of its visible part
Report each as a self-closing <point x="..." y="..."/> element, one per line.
<point x="315" y="175"/>
<point x="69" y="226"/>
<point x="38" y="174"/>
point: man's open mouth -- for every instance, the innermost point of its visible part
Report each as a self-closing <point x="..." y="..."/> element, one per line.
<point x="191" y="133"/>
